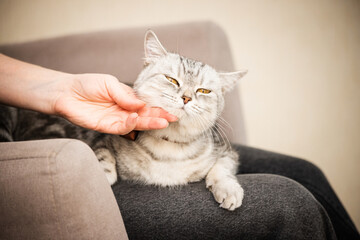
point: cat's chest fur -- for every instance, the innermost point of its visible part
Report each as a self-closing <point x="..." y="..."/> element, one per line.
<point x="162" y="162"/>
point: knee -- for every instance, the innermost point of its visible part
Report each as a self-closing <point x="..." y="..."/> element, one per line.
<point x="288" y="197"/>
<point x="292" y="167"/>
<point x="302" y="168"/>
<point x="54" y="183"/>
<point x="73" y="159"/>
<point x="280" y="197"/>
<point x="283" y="207"/>
<point x="74" y="153"/>
<point x="261" y="161"/>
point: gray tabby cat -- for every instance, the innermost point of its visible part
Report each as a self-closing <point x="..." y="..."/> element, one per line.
<point x="188" y="150"/>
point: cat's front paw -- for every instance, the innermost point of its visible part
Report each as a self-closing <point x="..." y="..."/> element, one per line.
<point x="110" y="172"/>
<point x="228" y="193"/>
<point x="111" y="177"/>
<point x="108" y="164"/>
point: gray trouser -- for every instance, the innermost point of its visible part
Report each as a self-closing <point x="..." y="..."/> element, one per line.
<point x="274" y="207"/>
<point x="55" y="189"/>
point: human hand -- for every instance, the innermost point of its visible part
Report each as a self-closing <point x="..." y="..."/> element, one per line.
<point x="100" y="102"/>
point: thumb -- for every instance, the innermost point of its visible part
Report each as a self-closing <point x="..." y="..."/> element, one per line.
<point x="125" y="97"/>
<point x="130" y="124"/>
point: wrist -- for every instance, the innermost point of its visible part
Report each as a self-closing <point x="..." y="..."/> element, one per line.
<point x="61" y="86"/>
<point x="29" y="86"/>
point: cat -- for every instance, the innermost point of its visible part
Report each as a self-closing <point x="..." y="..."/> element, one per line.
<point x="188" y="150"/>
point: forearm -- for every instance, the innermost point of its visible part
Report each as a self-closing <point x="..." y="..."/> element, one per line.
<point x="29" y="86"/>
<point x="95" y="101"/>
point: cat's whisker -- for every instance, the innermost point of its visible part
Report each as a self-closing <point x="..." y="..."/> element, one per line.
<point x="215" y="132"/>
<point x="222" y="120"/>
<point x="200" y="108"/>
<point x="221" y="136"/>
<point x="205" y="109"/>
<point x="204" y="129"/>
<point x="206" y="121"/>
<point x="223" y="124"/>
<point x="222" y="133"/>
<point x="166" y="94"/>
<point x="218" y="124"/>
<point x="170" y="98"/>
<point x="195" y="110"/>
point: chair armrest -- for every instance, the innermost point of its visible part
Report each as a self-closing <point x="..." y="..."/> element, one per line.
<point x="55" y="189"/>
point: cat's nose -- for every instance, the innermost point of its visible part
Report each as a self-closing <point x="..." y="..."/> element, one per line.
<point x="186" y="99"/>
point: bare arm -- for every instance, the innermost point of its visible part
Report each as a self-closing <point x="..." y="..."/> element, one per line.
<point x="95" y="101"/>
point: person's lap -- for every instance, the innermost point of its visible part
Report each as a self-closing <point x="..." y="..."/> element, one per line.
<point x="307" y="174"/>
<point x="274" y="207"/>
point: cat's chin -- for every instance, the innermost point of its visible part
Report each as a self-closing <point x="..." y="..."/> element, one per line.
<point x="180" y="113"/>
<point x="177" y="132"/>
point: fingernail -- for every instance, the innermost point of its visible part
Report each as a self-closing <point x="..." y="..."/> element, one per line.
<point x="141" y="102"/>
<point x="164" y="123"/>
<point x="173" y="118"/>
<point x="133" y="115"/>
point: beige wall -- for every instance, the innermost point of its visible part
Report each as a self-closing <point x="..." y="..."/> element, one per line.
<point x="302" y="93"/>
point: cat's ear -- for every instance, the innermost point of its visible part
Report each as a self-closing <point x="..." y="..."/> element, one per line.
<point x="153" y="48"/>
<point x="229" y="80"/>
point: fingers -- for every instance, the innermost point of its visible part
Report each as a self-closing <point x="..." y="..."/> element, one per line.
<point x="129" y="125"/>
<point x="151" y="118"/>
<point x="130" y="102"/>
<point x="146" y="118"/>
<point x="135" y="122"/>
<point x="150" y="123"/>
<point x="156" y="113"/>
<point x="122" y="128"/>
<point x="125" y="97"/>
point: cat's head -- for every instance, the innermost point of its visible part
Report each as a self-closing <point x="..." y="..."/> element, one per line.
<point x="189" y="89"/>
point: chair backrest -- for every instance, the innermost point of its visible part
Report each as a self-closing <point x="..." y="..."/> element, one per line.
<point x="120" y="53"/>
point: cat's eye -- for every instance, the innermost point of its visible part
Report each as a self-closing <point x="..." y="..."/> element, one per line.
<point x="203" y="90"/>
<point x="172" y="80"/>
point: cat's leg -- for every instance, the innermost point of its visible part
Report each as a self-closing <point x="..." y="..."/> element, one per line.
<point x="222" y="182"/>
<point x="108" y="163"/>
